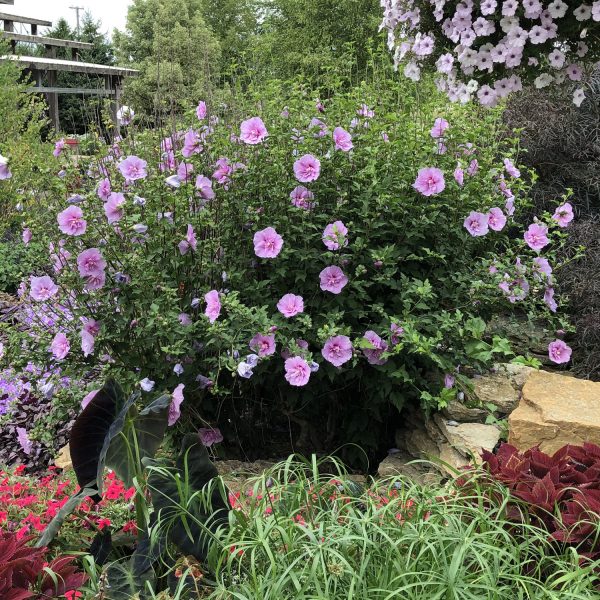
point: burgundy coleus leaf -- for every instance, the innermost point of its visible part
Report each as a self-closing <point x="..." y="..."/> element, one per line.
<point x="543" y="494"/>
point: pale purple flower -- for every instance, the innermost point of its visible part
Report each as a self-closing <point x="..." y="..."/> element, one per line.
<point x="244" y="370"/>
<point x="549" y="299"/>
<point x="201" y="110"/>
<point x="184" y="319"/>
<point x="60" y="346"/>
<point x="263" y="345"/>
<point x="71" y="221"/>
<point x="509" y="205"/>
<point x="333" y="279"/>
<point x="185" y="171"/>
<point x="252" y="360"/>
<point x="4" y="170"/>
<point x="574" y="72"/>
<point x="511" y="169"/>
<point x="536" y="236"/>
<point x="267" y="243"/>
<point x="204" y="187"/>
<point x="449" y="381"/>
<point x="213" y="305"/>
<point x="307" y="168"/>
<point x="337" y="350"/>
<point x="290" y="305"/>
<point x="24" y="440"/>
<point x="174" y="407"/>
<point x="88" y="398"/>
<point x="559" y="352"/>
<point x="133" y="168"/>
<point x="125" y="115"/>
<point x="459" y="176"/>
<point x="563" y="215"/>
<point x="113" y="207"/>
<point x="42" y="288"/>
<point x="342" y="139"/>
<point x="297" y="371"/>
<point x="253" y="131"/>
<point x="210" y="436"/>
<point x="178" y="369"/>
<point x="496" y="219"/>
<point x="95" y="282"/>
<point x="59" y="146"/>
<point x="473" y="168"/>
<point x="27" y="235"/>
<point x="90" y="262"/>
<point x="397" y="332"/>
<point x="192" y="143"/>
<point x="334" y="236"/>
<point x="104" y="189"/>
<point x="147" y="384"/>
<point x="373" y="354"/>
<point x="190" y="241"/>
<point x="430" y="181"/>
<point x="204" y="382"/>
<point x="301" y="197"/>
<point x="87" y="343"/>
<point x="477" y="223"/>
<point x="542" y="268"/>
<point x="365" y="111"/>
<point x="439" y="128"/>
<point x="515" y="289"/>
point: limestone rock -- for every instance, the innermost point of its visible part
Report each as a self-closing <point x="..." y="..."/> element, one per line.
<point x="457" y="411"/>
<point x="555" y="410"/>
<point x="401" y="464"/>
<point x="469" y="438"/>
<point x="451" y="460"/>
<point x="502" y="388"/>
<point x="63" y="460"/>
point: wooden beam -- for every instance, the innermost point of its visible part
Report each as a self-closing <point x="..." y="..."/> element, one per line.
<point x="59" y="90"/>
<point x="53" y="101"/>
<point x="26" y="20"/>
<point x="7" y="1"/>
<point x="55" y="64"/>
<point x="46" y="41"/>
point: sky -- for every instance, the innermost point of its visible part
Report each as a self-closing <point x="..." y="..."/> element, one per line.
<point x="112" y="13"/>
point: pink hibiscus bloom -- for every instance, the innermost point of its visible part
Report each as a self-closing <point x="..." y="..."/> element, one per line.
<point x="201" y="111"/>
<point x="104" y="189"/>
<point x="42" y="288"/>
<point x="536" y="236"/>
<point x="90" y="262"/>
<point x="87" y="343"/>
<point x="510" y="168"/>
<point x="342" y="139"/>
<point x="213" y="305"/>
<point x="263" y="345"/>
<point x="71" y="221"/>
<point x="439" y="127"/>
<point x="430" y="181"/>
<point x="559" y="352"/>
<point x="60" y="346"/>
<point x="4" y="170"/>
<point x="334" y="236"/>
<point x="27" y="235"/>
<point x="190" y="241"/>
<point x="297" y="371"/>
<point x="174" y="407"/>
<point x="290" y="305"/>
<point x="253" y="131"/>
<point x="113" y="207"/>
<point x="133" y="168"/>
<point x="192" y="143"/>
<point x="185" y="171"/>
<point x="59" y="146"/>
<point x="563" y="215"/>
<point x="307" y="168"/>
<point x="301" y="197"/>
<point x="88" y="398"/>
<point x="204" y="187"/>
<point x="337" y="350"/>
<point x="95" y="281"/>
<point x="477" y="223"/>
<point x="459" y="176"/>
<point x="496" y="219"/>
<point x="333" y="279"/>
<point x="267" y="243"/>
<point x="373" y="355"/>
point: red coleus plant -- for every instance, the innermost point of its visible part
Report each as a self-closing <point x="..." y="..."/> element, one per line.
<point x="562" y="491"/>
<point x="24" y="571"/>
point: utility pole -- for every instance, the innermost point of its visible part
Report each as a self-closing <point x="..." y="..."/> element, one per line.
<point x="77" y="9"/>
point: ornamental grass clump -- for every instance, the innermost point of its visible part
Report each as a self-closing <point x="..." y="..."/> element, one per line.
<point x="293" y="263"/>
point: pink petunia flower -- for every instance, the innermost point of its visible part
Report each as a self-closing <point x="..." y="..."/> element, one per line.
<point x="342" y="139"/>
<point x="201" y="111"/>
<point x="334" y="236"/>
<point x="536" y="236"/>
<point x="253" y="131"/>
<point x="267" y="243"/>
<point x="290" y="305"/>
<point x="113" y="207"/>
<point x="373" y="355"/>
<point x="71" y="221"/>
<point x="60" y="346"/>
<point x="476" y="223"/>
<point x="430" y="181"/>
<point x="559" y="352"/>
<point x="213" y="305"/>
<point x="204" y="187"/>
<point x="190" y="241"/>
<point x="297" y="371"/>
<point x="563" y="215"/>
<point x="263" y="345"/>
<point x="439" y="128"/>
<point x="333" y="279"/>
<point x="133" y="168"/>
<point x="174" y="407"/>
<point x="496" y="219"/>
<point x="90" y="262"/>
<point x="307" y="168"/>
<point x="104" y="189"/>
<point x="337" y="350"/>
<point x="42" y="288"/>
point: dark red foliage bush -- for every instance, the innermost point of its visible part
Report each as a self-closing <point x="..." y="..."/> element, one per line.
<point x="22" y="573"/>
<point x="561" y="492"/>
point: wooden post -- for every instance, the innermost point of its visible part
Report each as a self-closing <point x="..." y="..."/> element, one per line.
<point x="34" y="29"/>
<point x="53" y="101"/>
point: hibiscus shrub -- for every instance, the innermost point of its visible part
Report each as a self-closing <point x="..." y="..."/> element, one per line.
<point x="319" y="264"/>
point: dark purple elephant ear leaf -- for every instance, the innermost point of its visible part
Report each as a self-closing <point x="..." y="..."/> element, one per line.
<point x="90" y="430"/>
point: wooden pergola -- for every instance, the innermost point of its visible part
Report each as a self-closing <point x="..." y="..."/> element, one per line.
<point x="44" y="69"/>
